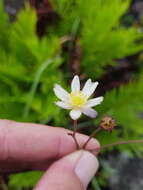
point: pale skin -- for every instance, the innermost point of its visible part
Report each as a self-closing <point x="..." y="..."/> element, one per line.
<point x="26" y="146"/>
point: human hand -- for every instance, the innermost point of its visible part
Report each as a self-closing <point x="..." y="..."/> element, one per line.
<point x="26" y="146"/>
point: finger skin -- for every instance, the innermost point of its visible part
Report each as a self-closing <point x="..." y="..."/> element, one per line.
<point x="70" y="172"/>
<point x="60" y="176"/>
<point x="34" y="144"/>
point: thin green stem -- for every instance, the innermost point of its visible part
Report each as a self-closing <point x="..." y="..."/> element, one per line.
<point x="35" y="85"/>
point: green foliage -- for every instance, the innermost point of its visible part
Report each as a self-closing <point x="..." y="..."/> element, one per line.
<point x="95" y="184"/>
<point x="102" y="36"/>
<point x="22" y="56"/>
<point x="3" y="25"/>
<point x="126" y="105"/>
<point x="104" y="39"/>
<point x="29" y="66"/>
<point x="24" y="180"/>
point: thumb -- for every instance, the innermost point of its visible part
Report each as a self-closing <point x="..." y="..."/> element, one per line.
<point x="74" y="171"/>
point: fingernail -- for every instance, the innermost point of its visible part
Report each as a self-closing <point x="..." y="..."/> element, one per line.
<point x="86" y="167"/>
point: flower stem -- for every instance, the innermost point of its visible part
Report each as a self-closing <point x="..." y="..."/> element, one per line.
<point x="91" y="136"/>
<point x="74" y="133"/>
<point x="117" y="143"/>
<point x="121" y="142"/>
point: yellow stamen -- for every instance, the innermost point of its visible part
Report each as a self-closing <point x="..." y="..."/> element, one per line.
<point x="77" y="99"/>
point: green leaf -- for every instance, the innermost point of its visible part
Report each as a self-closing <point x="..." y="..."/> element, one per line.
<point x="24" y="180"/>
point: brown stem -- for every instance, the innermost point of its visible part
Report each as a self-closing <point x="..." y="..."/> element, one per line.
<point x="117" y="143"/>
<point x="91" y="136"/>
<point x="74" y="133"/>
<point x="121" y="142"/>
<point x="2" y="184"/>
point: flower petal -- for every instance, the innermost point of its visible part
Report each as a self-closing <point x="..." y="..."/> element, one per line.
<point x="94" y="101"/>
<point x="89" y="112"/>
<point x="75" y="114"/>
<point x="63" y="105"/>
<point x="75" y="85"/>
<point x="89" y="91"/>
<point x="61" y="93"/>
<point x="87" y="85"/>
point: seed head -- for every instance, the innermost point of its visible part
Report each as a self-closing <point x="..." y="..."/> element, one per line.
<point x="107" y="123"/>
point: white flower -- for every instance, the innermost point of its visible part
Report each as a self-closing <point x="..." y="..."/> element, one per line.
<point x="78" y="100"/>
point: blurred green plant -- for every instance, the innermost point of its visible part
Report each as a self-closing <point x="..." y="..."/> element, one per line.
<point x="126" y="105"/>
<point x="24" y="180"/>
<point x="103" y="38"/>
<point x="30" y="66"/>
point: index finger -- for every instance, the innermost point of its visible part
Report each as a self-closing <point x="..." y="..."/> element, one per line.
<point x="34" y="142"/>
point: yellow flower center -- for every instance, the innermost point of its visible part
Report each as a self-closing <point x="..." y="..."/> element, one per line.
<point x="77" y="99"/>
